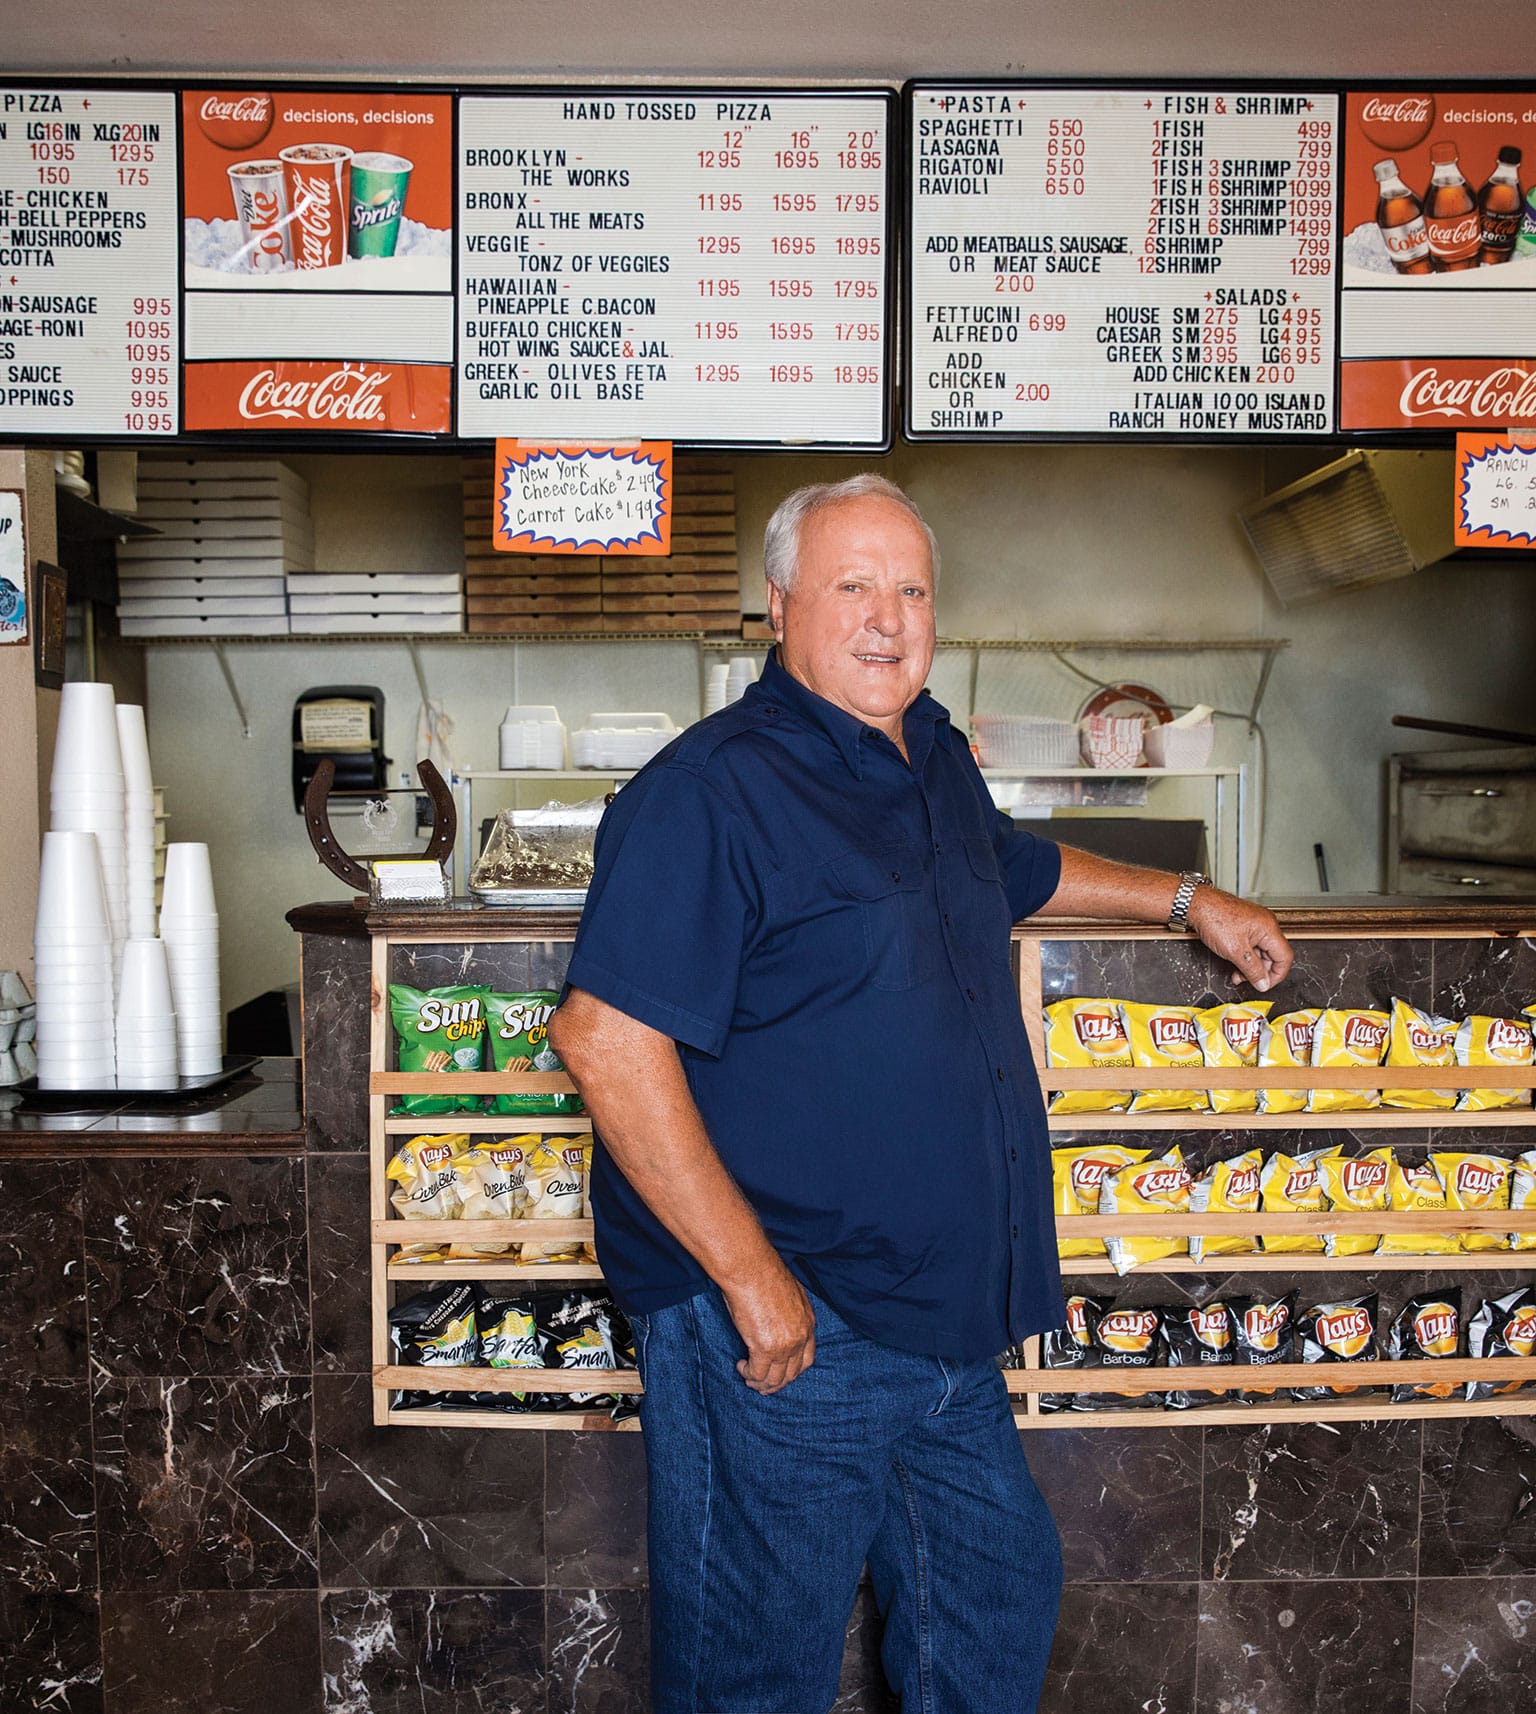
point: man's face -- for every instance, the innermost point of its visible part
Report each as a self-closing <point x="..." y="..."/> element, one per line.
<point x="858" y="626"/>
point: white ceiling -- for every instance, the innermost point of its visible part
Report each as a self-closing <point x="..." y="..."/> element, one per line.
<point x="514" y="40"/>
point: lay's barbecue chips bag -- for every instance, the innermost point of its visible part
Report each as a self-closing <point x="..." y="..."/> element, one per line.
<point x="1493" y="1041"/>
<point x="1347" y="1037"/>
<point x="1081" y="1035"/>
<point x="1199" y="1336"/>
<point x="1418" y="1038"/>
<point x="1476" y="1183"/>
<point x="1417" y="1190"/>
<point x="1164" y="1037"/>
<point x="1070" y="1346"/>
<point x="1503" y="1327"/>
<point x="1230" y="1035"/>
<point x="1077" y="1176"/>
<point x="1149" y="1187"/>
<point x="1126" y="1339"/>
<point x="1286" y="1040"/>
<point x="1292" y="1184"/>
<point x="1356" y="1187"/>
<point x="439" y="1030"/>
<point x="1426" y="1326"/>
<point x="1263" y="1334"/>
<point x="1228" y="1187"/>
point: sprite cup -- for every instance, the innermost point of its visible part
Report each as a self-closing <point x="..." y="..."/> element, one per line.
<point x="379" y="185"/>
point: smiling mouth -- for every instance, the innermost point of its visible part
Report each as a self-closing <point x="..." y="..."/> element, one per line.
<point x="879" y="660"/>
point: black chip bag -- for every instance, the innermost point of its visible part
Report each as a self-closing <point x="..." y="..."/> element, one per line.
<point x="1199" y="1336"/>
<point x="438" y="1030"/>
<point x="1503" y="1327"/>
<point x="1070" y="1346"/>
<point x="1340" y="1332"/>
<point x="438" y="1329"/>
<point x="518" y="1030"/>
<point x="1263" y="1333"/>
<point x="1126" y="1339"/>
<point x="1429" y="1325"/>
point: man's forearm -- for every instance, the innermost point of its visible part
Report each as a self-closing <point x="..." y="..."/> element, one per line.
<point x="1096" y="887"/>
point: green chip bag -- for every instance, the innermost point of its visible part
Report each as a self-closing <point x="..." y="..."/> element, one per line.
<point x="439" y="1029"/>
<point x="519" y="1032"/>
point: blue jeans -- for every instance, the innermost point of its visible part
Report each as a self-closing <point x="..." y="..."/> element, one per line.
<point x="764" y="1510"/>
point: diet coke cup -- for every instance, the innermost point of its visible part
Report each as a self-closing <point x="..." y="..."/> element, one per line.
<point x="262" y="205"/>
<point x="315" y="176"/>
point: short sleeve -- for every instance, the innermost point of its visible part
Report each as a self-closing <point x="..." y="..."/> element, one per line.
<point x="1031" y="867"/>
<point x="674" y="897"/>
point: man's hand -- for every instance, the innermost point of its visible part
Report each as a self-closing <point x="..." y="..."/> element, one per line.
<point x="1245" y="933"/>
<point x="778" y="1326"/>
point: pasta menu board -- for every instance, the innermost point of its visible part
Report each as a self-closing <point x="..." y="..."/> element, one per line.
<point x="89" y="318"/>
<point x="700" y="267"/>
<point x="1120" y="262"/>
<point x="1438" y="324"/>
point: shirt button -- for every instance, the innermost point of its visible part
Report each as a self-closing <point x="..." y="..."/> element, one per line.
<point x="1013" y="1154"/>
<point x="999" y="1074"/>
<point x="1015" y="1231"/>
<point x="937" y="849"/>
<point x="895" y="874"/>
<point x="946" y="919"/>
<point x="970" y="993"/>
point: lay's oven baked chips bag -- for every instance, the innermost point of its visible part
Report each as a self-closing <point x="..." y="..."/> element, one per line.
<point x="1522" y="1196"/>
<point x="1077" y="1177"/>
<point x="1229" y="1035"/>
<point x="1081" y="1035"/>
<point x="1419" y="1038"/>
<point x="1287" y="1041"/>
<point x="1347" y="1037"/>
<point x="1164" y="1037"/>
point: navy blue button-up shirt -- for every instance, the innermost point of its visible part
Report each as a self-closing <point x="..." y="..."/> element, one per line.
<point x="824" y="931"/>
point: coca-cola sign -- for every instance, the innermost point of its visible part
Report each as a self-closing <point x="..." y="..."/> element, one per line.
<point x="235" y="120"/>
<point x="320" y="397"/>
<point x="347" y="398"/>
<point x="1502" y="395"/>
<point x="1457" y="237"/>
<point x="1396" y="121"/>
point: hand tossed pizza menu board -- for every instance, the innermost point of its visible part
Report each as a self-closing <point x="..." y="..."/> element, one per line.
<point x="1120" y="262"/>
<point x="89" y="319"/>
<point x="1438" y="320"/>
<point x="706" y="267"/>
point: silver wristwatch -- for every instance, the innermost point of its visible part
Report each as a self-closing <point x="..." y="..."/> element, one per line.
<point x="1178" y="912"/>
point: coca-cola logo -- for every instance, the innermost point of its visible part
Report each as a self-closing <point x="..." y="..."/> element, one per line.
<point x="1503" y="395"/>
<point x="1406" y="240"/>
<point x="312" y="203"/>
<point x="1456" y="236"/>
<point x="1395" y="122"/>
<point x="235" y="121"/>
<point x="343" y="396"/>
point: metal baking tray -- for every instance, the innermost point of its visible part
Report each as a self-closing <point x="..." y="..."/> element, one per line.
<point x="532" y="898"/>
<point x="234" y="1065"/>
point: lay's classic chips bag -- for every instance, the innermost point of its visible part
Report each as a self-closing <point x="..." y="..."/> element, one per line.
<point x="1291" y="1184"/>
<point x="1476" y="1183"/>
<point x="1164" y="1036"/>
<point x="1286" y="1040"/>
<point x="1493" y="1041"/>
<point x="1347" y="1037"/>
<point x="1418" y="1190"/>
<point x="1149" y="1187"/>
<point x="1419" y="1038"/>
<point x="1356" y="1187"/>
<point x="1077" y="1176"/>
<point x="1084" y="1034"/>
<point x="1229" y="1035"/>
<point x="1522" y="1195"/>
<point x="1228" y="1187"/>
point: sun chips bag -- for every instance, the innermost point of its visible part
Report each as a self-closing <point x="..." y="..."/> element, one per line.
<point x="1419" y="1038"/>
<point x="518" y="1032"/>
<point x="1148" y="1187"/>
<point x="1230" y="1035"/>
<point x="1353" y="1038"/>
<point x="1080" y="1034"/>
<point x="1164" y="1037"/>
<point x="1286" y="1040"/>
<point x="441" y="1030"/>
<point x="1078" y="1176"/>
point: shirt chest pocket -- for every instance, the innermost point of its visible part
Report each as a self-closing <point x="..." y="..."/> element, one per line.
<point x="983" y="902"/>
<point x="887" y="888"/>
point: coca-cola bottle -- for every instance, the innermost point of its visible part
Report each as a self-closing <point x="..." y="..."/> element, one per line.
<point x="1500" y="204"/>
<point x="1450" y="214"/>
<point x="1400" y="216"/>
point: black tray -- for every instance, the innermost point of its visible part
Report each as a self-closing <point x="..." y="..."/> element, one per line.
<point x="234" y="1065"/>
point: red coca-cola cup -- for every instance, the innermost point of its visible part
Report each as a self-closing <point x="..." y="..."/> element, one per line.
<point x="315" y="175"/>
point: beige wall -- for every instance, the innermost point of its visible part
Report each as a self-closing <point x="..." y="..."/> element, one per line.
<point x="1038" y="541"/>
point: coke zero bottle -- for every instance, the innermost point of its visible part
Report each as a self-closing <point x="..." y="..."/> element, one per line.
<point x="1400" y="216"/>
<point x="1499" y="204"/>
<point x="1450" y="214"/>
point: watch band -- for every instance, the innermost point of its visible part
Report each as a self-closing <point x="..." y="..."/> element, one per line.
<point x="1178" y="912"/>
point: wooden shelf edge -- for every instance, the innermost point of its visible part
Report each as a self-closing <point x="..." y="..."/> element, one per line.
<point x="1257" y="1415"/>
<point x="1363" y="1119"/>
<point x="488" y="1268"/>
<point x="571" y="1422"/>
<point x="411" y="1378"/>
<point x="1162" y="1377"/>
<point x="1300" y="1077"/>
<point x="485" y="1124"/>
<point x="1257" y="1262"/>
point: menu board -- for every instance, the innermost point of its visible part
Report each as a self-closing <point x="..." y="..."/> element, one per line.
<point x="701" y="267"/>
<point x="1438" y="319"/>
<point x="318" y="257"/>
<point x="89" y="329"/>
<point x="1127" y="262"/>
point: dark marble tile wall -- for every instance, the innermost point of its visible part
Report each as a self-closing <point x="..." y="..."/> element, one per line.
<point x="198" y="1514"/>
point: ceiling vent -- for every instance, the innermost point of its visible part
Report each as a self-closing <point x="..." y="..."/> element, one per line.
<point x="1366" y="518"/>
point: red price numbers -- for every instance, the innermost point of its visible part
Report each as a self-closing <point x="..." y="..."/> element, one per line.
<point x="719" y="288"/>
<point x="716" y="330"/>
<point x="791" y="330"/>
<point x="1313" y="226"/>
<point x="799" y="156"/>
<point x="857" y="202"/>
<point x="1314" y="246"/>
<point x="859" y="332"/>
<point x="716" y="374"/>
<point x="719" y="244"/>
<point x="137" y="353"/>
<point x="785" y="244"/>
<point x="860" y="152"/>
<point x="859" y="246"/>
<point x="151" y="306"/>
<point x="133" y="176"/>
<point x="148" y="422"/>
<point x="133" y="152"/>
<point x="720" y="201"/>
<point x="139" y="328"/>
<point x="1306" y="204"/>
<point x="1064" y="158"/>
<point x="856" y="289"/>
<point x="719" y="160"/>
<point x="794" y="202"/>
<point x="150" y="399"/>
<point x="1308" y="171"/>
<point x="53" y="151"/>
<point x="141" y="376"/>
<point x="791" y="289"/>
<point x="790" y="374"/>
<point x="1046" y="324"/>
<point x="857" y="374"/>
<point x="1005" y="285"/>
<point x="1314" y="149"/>
<point x="1314" y="128"/>
<point x="1031" y="392"/>
<point x="53" y="175"/>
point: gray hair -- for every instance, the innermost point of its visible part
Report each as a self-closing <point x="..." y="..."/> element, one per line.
<point x="781" y="540"/>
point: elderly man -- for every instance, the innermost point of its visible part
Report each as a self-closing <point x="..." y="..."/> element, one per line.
<point x="822" y="1187"/>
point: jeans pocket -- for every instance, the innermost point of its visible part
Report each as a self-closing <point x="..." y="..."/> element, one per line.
<point x="641" y="1326"/>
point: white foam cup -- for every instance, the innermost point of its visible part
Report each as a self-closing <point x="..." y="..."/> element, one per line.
<point x="188" y="881"/>
<point x="146" y="984"/>
<point x="70" y="891"/>
<point x="86" y="741"/>
<point x="133" y="747"/>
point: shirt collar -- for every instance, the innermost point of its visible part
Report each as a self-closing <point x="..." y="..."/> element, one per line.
<point x="847" y="731"/>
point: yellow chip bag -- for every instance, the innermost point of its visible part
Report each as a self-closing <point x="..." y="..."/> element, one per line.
<point x="1493" y="1041"/>
<point x="1346" y="1037"/>
<point x="1476" y="1183"/>
<point x="1229" y="1035"/>
<point x="1229" y="1187"/>
<point x="1291" y="1185"/>
<point x="1417" y="1190"/>
<point x="555" y="1177"/>
<point x="491" y="1180"/>
<point x="1084" y="1034"/>
<point x="1355" y="1187"/>
<point x="1522" y="1195"/>
<point x="1419" y="1038"/>
<point x="422" y="1171"/>
<point x="1077" y="1177"/>
<point x="1158" y="1186"/>
<point x="1164" y="1037"/>
<point x="1286" y="1040"/>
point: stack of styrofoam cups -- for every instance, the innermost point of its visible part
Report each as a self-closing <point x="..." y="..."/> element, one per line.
<point x="189" y="926"/>
<point x="138" y="820"/>
<point x="147" y="1055"/>
<point x="87" y="792"/>
<point x="73" y="944"/>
